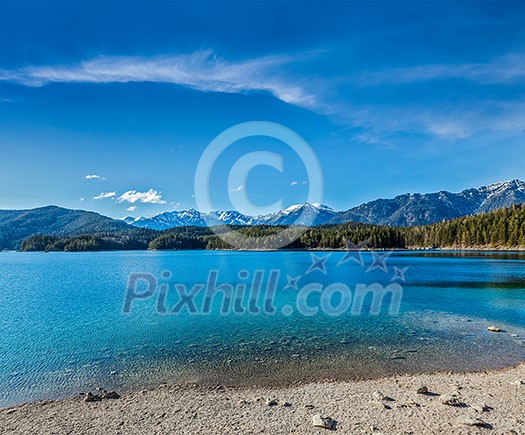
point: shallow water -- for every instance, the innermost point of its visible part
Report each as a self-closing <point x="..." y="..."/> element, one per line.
<point x="62" y="328"/>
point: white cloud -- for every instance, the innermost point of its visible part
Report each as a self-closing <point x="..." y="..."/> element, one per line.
<point x="105" y="195"/>
<point x="293" y="183"/>
<point x="203" y="71"/>
<point x="151" y="197"/>
<point x="82" y="198"/>
<point x="237" y="189"/>
<point x="132" y="208"/>
<point x="94" y="177"/>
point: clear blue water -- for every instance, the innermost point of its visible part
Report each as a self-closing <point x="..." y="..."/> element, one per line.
<point x="62" y="329"/>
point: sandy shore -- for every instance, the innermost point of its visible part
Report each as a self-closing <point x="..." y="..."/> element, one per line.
<point x="487" y="402"/>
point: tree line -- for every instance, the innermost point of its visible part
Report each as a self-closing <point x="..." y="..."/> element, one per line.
<point x="504" y="228"/>
<point x="133" y="239"/>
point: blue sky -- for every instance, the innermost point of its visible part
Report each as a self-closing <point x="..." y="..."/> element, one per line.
<point x="108" y="106"/>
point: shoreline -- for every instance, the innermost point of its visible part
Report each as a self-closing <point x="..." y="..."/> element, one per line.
<point x="517" y="249"/>
<point x="388" y="404"/>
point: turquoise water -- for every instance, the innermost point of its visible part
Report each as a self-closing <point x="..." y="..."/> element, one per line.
<point x="62" y="329"/>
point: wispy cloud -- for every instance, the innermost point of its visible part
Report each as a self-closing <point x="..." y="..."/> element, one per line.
<point x="293" y="183"/>
<point x="450" y="129"/>
<point x="451" y="121"/>
<point x="505" y="69"/>
<point x="132" y="208"/>
<point x="151" y="197"/>
<point x="105" y="195"/>
<point x="203" y="71"/>
<point x="94" y="177"/>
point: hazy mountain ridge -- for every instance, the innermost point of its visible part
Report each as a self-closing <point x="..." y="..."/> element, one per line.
<point x="403" y="210"/>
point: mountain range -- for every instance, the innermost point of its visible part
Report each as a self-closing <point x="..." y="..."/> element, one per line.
<point x="403" y="210"/>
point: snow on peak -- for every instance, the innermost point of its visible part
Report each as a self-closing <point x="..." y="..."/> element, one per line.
<point x="293" y="208"/>
<point x="296" y="207"/>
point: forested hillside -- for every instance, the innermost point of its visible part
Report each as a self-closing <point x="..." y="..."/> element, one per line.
<point x="16" y="225"/>
<point x="503" y="228"/>
<point x="129" y="239"/>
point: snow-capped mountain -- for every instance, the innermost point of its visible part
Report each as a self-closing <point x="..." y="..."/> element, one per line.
<point x="423" y="209"/>
<point x="169" y="219"/>
<point x="299" y="214"/>
<point x="403" y="210"/>
<point x="502" y="194"/>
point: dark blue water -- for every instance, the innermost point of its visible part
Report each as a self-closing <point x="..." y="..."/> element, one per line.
<point x="62" y="329"/>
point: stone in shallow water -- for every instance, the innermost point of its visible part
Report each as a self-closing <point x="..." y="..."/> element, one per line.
<point x="494" y="329"/>
<point x="323" y="422"/>
<point x="90" y="397"/>
<point x="110" y="395"/>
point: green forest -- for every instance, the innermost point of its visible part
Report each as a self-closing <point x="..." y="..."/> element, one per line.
<point x="504" y="228"/>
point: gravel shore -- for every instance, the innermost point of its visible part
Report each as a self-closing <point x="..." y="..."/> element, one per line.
<point x="442" y="403"/>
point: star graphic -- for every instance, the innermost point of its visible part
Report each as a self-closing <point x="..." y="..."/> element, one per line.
<point x="318" y="263"/>
<point x="351" y="255"/>
<point x="379" y="261"/>
<point x="292" y="282"/>
<point x="353" y="252"/>
<point x="399" y="274"/>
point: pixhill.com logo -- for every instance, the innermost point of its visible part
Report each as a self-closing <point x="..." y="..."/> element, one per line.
<point x="255" y="291"/>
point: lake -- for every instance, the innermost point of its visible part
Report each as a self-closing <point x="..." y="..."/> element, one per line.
<point x="63" y="329"/>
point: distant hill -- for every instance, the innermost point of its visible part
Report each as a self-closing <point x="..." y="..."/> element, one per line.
<point x="403" y="210"/>
<point x="16" y="225"/>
